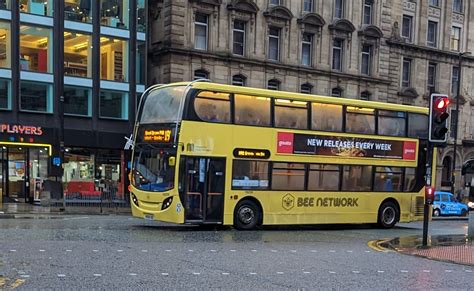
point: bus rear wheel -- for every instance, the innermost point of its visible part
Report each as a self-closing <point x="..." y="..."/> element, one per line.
<point x="246" y="215"/>
<point x="388" y="215"/>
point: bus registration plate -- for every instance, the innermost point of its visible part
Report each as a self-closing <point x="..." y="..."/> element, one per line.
<point x="148" y="216"/>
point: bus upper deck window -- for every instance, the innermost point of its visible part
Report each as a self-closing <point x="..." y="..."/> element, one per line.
<point x="392" y="123"/>
<point x="360" y="120"/>
<point x="291" y="114"/>
<point x="327" y="117"/>
<point x="252" y="110"/>
<point x="213" y="107"/>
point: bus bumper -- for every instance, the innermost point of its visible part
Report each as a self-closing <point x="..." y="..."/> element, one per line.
<point x="169" y="209"/>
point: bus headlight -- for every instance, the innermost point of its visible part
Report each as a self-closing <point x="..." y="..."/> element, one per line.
<point x="135" y="200"/>
<point x="167" y="203"/>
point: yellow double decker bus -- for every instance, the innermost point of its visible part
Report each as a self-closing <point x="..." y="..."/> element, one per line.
<point x="208" y="153"/>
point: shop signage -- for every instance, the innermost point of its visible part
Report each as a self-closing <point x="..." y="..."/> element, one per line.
<point x="345" y="146"/>
<point x="21" y="129"/>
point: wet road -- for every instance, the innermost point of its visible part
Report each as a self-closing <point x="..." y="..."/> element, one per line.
<point x="118" y="252"/>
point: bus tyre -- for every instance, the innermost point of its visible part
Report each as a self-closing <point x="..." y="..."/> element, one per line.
<point x="436" y="213"/>
<point x="247" y="215"/>
<point x="388" y="215"/>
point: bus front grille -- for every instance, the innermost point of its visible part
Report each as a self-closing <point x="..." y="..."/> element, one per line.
<point x="419" y="204"/>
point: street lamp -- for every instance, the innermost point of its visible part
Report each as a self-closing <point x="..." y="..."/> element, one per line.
<point x="456" y="121"/>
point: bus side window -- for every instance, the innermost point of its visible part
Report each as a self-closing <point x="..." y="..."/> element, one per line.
<point x="213" y="107"/>
<point x="410" y="181"/>
<point x="388" y="179"/>
<point x="357" y="178"/>
<point x="360" y="120"/>
<point x="392" y="123"/>
<point x="417" y="125"/>
<point x="291" y="114"/>
<point x="326" y="117"/>
<point x="251" y="110"/>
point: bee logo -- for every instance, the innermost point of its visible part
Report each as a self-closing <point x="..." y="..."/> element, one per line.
<point x="288" y="202"/>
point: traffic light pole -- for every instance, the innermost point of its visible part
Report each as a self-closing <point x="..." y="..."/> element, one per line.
<point x="426" y="209"/>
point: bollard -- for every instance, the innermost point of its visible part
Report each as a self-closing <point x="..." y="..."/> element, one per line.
<point x="470" y="228"/>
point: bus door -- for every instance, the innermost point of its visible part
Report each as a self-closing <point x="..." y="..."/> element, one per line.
<point x="204" y="189"/>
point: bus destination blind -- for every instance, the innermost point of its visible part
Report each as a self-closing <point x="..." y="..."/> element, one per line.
<point x="157" y="135"/>
<point x="342" y="146"/>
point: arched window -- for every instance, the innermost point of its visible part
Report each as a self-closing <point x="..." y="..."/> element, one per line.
<point x="447" y="171"/>
<point x="306" y="88"/>
<point x="273" y="84"/>
<point x="336" y="92"/>
<point x="201" y="74"/>
<point x="365" y="95"/>
<point x="239" y="80"/>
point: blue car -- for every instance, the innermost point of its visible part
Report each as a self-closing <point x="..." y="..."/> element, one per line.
<point x="446" y="204"/>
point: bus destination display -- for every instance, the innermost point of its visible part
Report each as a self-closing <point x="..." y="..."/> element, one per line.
<point x="344" y="146"/>
<point x="251" y="153"/>
<point x="157" y="135"/>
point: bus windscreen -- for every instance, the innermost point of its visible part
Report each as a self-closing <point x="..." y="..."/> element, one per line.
<point x="163" y="105"/>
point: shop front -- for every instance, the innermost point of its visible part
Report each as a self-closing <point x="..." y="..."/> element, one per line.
<point x="25" y="154"/>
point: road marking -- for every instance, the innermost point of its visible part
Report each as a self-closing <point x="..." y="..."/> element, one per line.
<point x="293" y="251"/>
<point x="190" y="250"/>
<point x="274" y="251"/>
<point x="97" y="275"/>
<point x="21" y="272"/>
<point x="120" y="251"/>
<point x="213" y="251"/>
<point x="144" y="251"/>
<point x="232" y="251"/>
<point x="332" y="251"/>
<point x="468" y="271"/>
<point x="225" y="274"/>
<point x="25" y="276"/>
<point x="68" y="250"/>
<point x="254" y="251"/>
<point x="349" y="251"/>
<point x="368" y="251"/>
<point x="17" y="283"/>
<point x="426" y="271"/>
<point x="306" y="272"/>
<point x="448" y="271"/>
<point x="95" y="251"/>
<point x="61" y="275"/>
<point x="164" y="274"/>
<point x="314" y="251"/>
<point x="280" y="273"/>
<point x="132" y="274"/>
<point x="196" y="273"/>
<point x="356" y="272"/>
<point x="12" y="251"/>
<point x="42" y="251"/>
<point x="380" y="271"/>
<point x="252" y="273"/>
<point x="332" y="272"/>
<point x="168" y="251"/>
<point x="404" y="271"/>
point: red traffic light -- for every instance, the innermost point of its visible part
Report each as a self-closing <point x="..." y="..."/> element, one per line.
<point x="429" y="194"/>
<point x="441" y="103"/>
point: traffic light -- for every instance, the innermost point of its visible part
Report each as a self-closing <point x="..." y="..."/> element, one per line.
<point x="438" y="130"/>
<point x="429" y="194"/>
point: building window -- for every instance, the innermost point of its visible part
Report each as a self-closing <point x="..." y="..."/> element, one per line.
<point x="407" y="28"/>
<point x="455" y="38"/>
<point x="431" y="77"/>
<point x="5" y="4"/>
<point x="200" y="31"/>
<point x="114" y="13"/>
<point x="36" y="49"/>
<point x="308" y="5"/>
<point x="239" y="80"/>
<point x="455" y="80"/>
<point x="141" y="16"/>
<point x="77" y="100"/>
<point x="36" y="97"/>
<point x="433" y="3"/>
<point x="337" y="54"/>
<point x="201" y="74"/>
<point x="406" y="73"/>
<point x="141" y="63"/>
<point x="5" y="94"/>
<point x="78" y="10"/>
<point x="77" y="54"/>
<point x="367" y="18"/>
<point x="432" y="33"/>
<point x="239" y="38"/>
<point x="365" y="96"/>
<point x="452" y="123"/>
<point x="113" y="104"/>
<point x="306" y="49"/>
<point x="336" y="92"/>
<point x="338" y="8"/>
<point x="457" y="6"/>
<point x="273" y="84"/>
<point x="113" y="59"/>
<point x="274" y="44"/>
<point x="44" y="8"/>
<point x="5" y="45"/>
<point x="275" y="2"/>
<point x="366" y="63"/>
<point x="446" y="173"/>
<point x="306" y="88"/>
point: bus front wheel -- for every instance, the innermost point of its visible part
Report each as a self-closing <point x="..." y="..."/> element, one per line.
<point x="246" y="215"/>
<point x="388" y="215"/>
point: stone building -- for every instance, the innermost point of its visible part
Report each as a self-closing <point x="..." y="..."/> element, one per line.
<point x="384" y="50"/>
